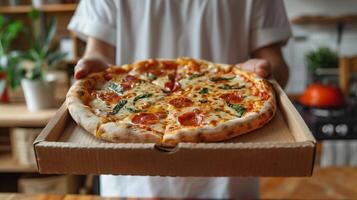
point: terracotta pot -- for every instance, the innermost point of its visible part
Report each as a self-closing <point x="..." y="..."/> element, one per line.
<point x="4" y="93"/>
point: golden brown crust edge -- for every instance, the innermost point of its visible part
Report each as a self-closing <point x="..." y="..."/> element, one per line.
<point x="81" y="113"/>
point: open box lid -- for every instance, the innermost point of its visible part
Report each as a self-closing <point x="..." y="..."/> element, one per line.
<point x="283" y="147"/>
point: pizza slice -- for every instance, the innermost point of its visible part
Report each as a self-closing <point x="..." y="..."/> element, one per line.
<point x="127" y="108"/>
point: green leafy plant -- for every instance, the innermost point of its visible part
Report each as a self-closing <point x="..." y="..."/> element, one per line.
<point x="40" y="51"/>
<point x="10" y="60"/>
<point x="323" y="57"/>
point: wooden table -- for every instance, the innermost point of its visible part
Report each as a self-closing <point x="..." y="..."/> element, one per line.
<point x="12" y="196"/>
<point x="326" y="183"/>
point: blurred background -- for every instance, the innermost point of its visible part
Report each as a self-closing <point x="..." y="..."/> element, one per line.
<point x="38" y="53"/>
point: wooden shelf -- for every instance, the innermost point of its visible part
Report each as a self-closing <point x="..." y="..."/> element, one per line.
<point x="21" y="9"/>
<point x="324" y="19"/>
<point x="8" y="164"/>
<point x="72" y="61"/>
<point x="17" y="115"/>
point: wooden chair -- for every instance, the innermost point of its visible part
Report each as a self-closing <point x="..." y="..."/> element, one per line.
<point x="347" y="66"/>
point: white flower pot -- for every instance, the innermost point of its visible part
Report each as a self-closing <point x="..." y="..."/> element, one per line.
<point x="37" y="3"/>
<point x="39" y="95"/>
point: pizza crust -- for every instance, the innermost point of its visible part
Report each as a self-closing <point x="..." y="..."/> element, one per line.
<point x="124" y="132"/>
<point x="81" y="113"/>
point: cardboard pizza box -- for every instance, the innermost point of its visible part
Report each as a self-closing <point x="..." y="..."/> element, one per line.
<point x="283" y="147"/>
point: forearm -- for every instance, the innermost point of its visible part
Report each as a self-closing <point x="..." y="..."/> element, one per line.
<point x="273" y="55"/>
<point x="99" y="50"/>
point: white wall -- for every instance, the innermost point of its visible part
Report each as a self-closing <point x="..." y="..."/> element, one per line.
<point x="310" y="37"/>
<point x="320" y="7"/>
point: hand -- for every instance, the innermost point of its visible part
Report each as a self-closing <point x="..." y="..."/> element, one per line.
<point x="86" y="66"/>
<point x="259" y="66"/>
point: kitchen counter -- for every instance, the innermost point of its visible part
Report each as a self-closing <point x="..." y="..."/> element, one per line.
<point x="326" y="183"/>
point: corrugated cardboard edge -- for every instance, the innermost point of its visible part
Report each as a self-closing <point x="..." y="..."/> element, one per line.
<point x="294" y="115"/>
<point x="297" y="119"/>
<point x="56" y="121"/>
<point x="107" y="159"/>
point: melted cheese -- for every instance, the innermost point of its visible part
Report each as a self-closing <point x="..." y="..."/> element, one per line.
<point x="207" y="103"/>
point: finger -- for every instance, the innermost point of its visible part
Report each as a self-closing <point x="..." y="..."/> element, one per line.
<point x="80" y="73"/>
<point x="258" y="66"/>
<point x="88" y="66"/>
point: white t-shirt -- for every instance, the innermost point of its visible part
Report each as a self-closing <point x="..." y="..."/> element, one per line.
<point x="224" y="31"/>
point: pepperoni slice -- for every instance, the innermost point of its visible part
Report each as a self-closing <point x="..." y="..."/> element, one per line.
<point x="155" y="72"/>
<point x="146" y="65"/>
<point x="172" y="86"/>
<point x="111" y="97"/>
<point x="117" y="70"/>
<point x="190" y="119"/>
<point x="145" y="118"/>
<point x="181" y="102"/>
<point x="232" y="98"/>
<point x="194" y="66"/>
<point x="130" y="78"/>
<point x="126" y="86"/>
<point x="169" y="65"/>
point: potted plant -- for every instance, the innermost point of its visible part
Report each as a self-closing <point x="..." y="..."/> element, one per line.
<point x="38" y="86"/>
<point x="322" y="62"/>
<point x="9" y="60"/>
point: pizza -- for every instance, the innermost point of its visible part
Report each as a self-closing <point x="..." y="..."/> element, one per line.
<point x="171" y="101"/>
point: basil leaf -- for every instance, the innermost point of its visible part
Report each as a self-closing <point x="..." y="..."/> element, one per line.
<point x="203" y="91"/>
<point x="203" y="101"/>
<point x="215" y="79"/>
<point x="142" y="96"/>
<point x="238" y="108"/>
<point x="116" y="88"/>
<point x="133" y="110"/>
<point x="151" y="76"/>
<point x="119" y="106"/>
<point x="196" y="75"/>
<point x="230" y="87"/>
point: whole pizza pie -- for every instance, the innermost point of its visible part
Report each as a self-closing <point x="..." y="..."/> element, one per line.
<point x="171" y="101"/>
